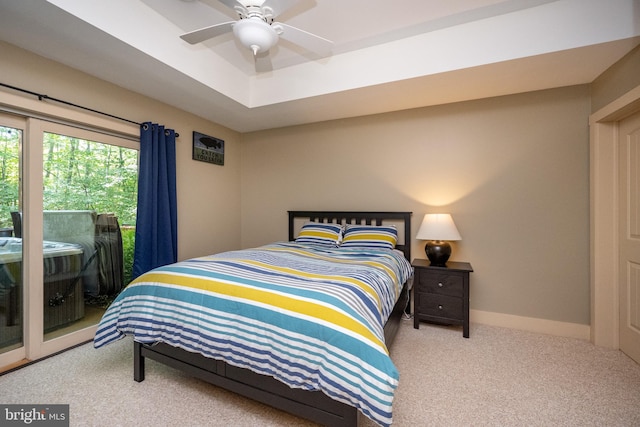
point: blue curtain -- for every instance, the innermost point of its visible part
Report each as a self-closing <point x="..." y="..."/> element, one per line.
<point x="156" y="224"/>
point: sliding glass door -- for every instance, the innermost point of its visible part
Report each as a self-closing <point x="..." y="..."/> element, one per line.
<point x="69" y="229"/>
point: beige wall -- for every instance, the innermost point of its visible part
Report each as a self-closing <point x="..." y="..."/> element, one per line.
<point x="208" y="195"/>
<point x="513" y="171"/>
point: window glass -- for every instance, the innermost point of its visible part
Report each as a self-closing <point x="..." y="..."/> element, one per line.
<point x="11" y="290"/>
<point x="89" y="211"/>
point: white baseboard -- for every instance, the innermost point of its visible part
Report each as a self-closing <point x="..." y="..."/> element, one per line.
<point x="542" y="326"/>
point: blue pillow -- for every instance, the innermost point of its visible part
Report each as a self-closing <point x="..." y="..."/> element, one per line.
<point x="327" y="234"/>
<point x="370" y="236"/>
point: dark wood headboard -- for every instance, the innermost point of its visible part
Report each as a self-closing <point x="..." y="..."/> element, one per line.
<point x="368" y="218"/>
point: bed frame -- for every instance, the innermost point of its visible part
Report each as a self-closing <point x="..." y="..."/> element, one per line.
<point x="312" y="405"/>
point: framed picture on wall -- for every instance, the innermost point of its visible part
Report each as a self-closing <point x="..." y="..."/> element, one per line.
<point x="208" y="149"/>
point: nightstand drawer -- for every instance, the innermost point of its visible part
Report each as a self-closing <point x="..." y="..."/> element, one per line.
<point x="440" y="306"/>
<point x="441" y="283"/>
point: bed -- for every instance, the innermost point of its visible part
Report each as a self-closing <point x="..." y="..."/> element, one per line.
<point x="303" y="326"/>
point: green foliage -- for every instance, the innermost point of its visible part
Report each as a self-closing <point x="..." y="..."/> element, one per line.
<point x="80" y="174"/>
<point x="9" y="173"/>
<point x="128" y="240"/>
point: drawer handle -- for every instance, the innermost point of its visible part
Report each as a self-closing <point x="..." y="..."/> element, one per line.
<point x="439" y="307"/>
<point x="440" y="284"/>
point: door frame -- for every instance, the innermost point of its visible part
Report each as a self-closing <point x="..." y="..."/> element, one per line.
<point x="604" y="274"/>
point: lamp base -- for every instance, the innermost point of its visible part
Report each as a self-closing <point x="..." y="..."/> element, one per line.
<point x="438" y="252"/>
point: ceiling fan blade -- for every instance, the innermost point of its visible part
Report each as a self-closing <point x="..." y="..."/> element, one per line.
<point x="311" y="42"/>
<point x="206" y="33"/>
<point x="263" y="62"/>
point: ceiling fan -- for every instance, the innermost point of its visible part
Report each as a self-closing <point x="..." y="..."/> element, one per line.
<point x="258" y="31"/>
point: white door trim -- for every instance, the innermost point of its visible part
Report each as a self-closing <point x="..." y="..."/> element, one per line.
<point x="604" y="222"/>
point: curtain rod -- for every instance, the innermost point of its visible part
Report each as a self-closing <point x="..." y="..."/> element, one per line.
<point x="43" y="96"/>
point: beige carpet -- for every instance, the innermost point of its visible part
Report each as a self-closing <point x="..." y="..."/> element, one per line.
<point x="498" y="377"/>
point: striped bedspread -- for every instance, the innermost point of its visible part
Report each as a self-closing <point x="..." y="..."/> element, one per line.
<point x="309" y="316"/>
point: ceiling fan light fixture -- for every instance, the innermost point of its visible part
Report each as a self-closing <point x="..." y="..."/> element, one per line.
<point x="255" y="34"/>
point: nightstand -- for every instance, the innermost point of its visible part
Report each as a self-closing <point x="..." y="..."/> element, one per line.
<point x="441" y="294"/>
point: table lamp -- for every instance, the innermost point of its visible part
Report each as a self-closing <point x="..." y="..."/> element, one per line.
<point x="438" y="230"/>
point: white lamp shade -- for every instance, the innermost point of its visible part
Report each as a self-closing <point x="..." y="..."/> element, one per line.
<point x="438" y="227"/>
<point x="255" y="34"/>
